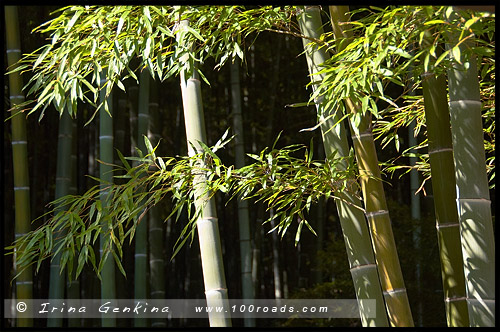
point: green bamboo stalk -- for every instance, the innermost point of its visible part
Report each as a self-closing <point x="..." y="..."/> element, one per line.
<point x="443" y="183"/>
<point x="473" y="197"/>
<point x="352" y="219"/>
<point x="24" y="282"/>
<point x="133" y="98"/>
<point x="73" y="286"/>
<point x="141" y="233"/>
<point x="376" y="210"/>
<point x="207" y="223"/>
<point x="108" y="290"/>
<point x="156" y="227"/>
<point x="120" y="118"/>
<point x="63" y="184"/>
<point x="275" y="244"/>
<point x="320" y="217"/>
<point x="243" y="217"/>
<point x="416" y="217"/>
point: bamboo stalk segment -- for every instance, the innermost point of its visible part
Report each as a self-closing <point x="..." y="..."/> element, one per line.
<point x="391" y="276"/>
<point x="106" y="151"/>
<point x="443" y="185"/>
<point x="473" y="197"/>
<point x="352" y="218"/>
<point x="141" y="234"/>
<point x="243" y="217"/>
<point x="207" y="223"/>
<point x="63" y="184"/>
<point x="22" y="214"/>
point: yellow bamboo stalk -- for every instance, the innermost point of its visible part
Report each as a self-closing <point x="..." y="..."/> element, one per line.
<point x="24" y="282"/>
<point x="376" y="210"/>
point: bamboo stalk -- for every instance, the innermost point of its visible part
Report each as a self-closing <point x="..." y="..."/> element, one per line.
<point x="352" y="220"/>
<point x="73" y="286"/>
<point x="275" y="244"/>
<point x="108" y="290"/>
<point x="320" y="217"/>
<point x="416" y="217"/>
<point x="133" y="97"/>
<point x="207" y="223"/>
<point x="473" y="197"/>
<point x="63" y="184"/>
<point x="376" y="210"/>
<point x="22" y="218"/>
<point x="141" y="233"/>
<point x="243" y="217"/>
<point x="443" y="183"/>
<point x="156" y="227"/>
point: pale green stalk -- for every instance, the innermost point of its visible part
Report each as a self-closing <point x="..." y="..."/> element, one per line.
<point x="352" y="219"/>
<point x="207" y="222"/>
<point x="24" y="282"/>
<point x="473" y="196"/>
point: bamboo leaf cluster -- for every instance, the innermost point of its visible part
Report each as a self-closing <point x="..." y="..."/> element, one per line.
<point x="385" y="43"/>
<point x="87" y="41"/>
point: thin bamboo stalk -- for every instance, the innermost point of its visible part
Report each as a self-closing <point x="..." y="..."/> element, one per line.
<point x="156" y="227"/>
<point x="415" y="207"/>
<point x="134" y="97"/>
<point x="24" y="282"/>
<point x="108" y="290"/>
<point x="207" y="223"/>
<point x="354" y="228"/>
<point x="243" y="217"/>
<point x="275" y="243"/>
<point x="63" y="184"/>
<point x="120" y="118"/>
<point x="443" y="184"/>
<point x="416" y="217"/>
<point x="473" y="197"/>
<point x="73" y="286"/>
<point x="141" y="233"/>
<point x="320" y="217"/>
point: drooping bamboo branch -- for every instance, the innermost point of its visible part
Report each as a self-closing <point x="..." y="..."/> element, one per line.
<point x="473" y="197"/>
<point x="24" y="282"/>
<point x="376" y="210"/>
<point x="443" y="185"/>
<point x="352" y="220"/>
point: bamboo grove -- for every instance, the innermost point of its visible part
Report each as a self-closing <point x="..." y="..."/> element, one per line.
<point x="286" y="152"/>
